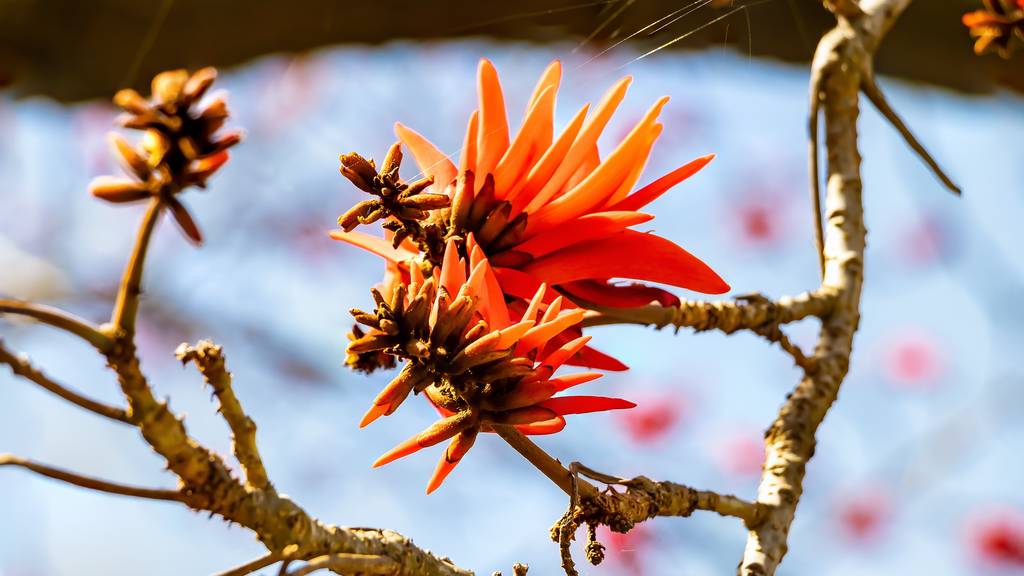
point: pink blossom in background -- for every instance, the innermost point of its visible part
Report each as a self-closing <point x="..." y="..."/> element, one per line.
<point x="625" y="553"/>
<point x="654" y="418"/>
<point x="926" y="242"/>
<point x="741" y="454"/>
<point x="862" y="516"/>
<point x="913" y="359"/>
<point x="997" y="538"/>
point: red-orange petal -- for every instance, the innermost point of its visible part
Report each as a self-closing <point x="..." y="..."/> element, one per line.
<point x="652" y="191"/>
<point x="566" y="405"/>
<point x="546" y="165"/>
<point x="431" y="161"/>
<point x="437" y="432"/>
<point x="569" y="380"/>
<point x="552" y="426"/>
<point x="628" y="254"/>
<point x="602" y="293"/>
<point x="584" y="228"/>
<point x="375" y="244"/>
<point x="458" y="448"/>
<point x="582" y="144"/>
<point x="513" y="164"/>
<point x="590" y="357"/>
<point x="492" y="140"/>
<point x="184" y="220"/>
<point x="467" y="160"/>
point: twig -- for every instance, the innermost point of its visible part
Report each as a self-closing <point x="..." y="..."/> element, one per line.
<point x="874" y="93"/>
<point x="127" y="304"/>
<point x="812" y="152"/>
<point x="91" y="483"/>
<point x="209" y="359"/>
<point x="550" y="467"/>
<point x="775" y="334"/>
<point x="21" y="366"/>
<point x="349" y="564"/>
<point x="59" y="319"/>
<point x="746" y="313"/>
<point x="257" y="564"/>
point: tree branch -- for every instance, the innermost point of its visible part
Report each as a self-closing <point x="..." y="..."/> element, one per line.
<point x="21" y="366"/>
<point x="209" y="358"/>
<point x="840" y="69"/>
<point x="58" y="319"/>
<point x="349" y="564"/>
<point x="126" y="306"/>
<point x="745" y="313"/>
<point x="90" y="483"/>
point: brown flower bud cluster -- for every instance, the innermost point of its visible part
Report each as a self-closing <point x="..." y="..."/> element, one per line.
<point x="180" y="146"/>
<point x="406" y="208"/>
<point x="489" y="219"/>
<point x="998" y="26"/>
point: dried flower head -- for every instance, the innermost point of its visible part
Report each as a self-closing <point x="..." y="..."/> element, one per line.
<point x="403" y="207"/>
<point x="475" y="363"/>
<point x="551" y="210"/>
<point x="180" y="146"/>
<point x="996" y="26"/>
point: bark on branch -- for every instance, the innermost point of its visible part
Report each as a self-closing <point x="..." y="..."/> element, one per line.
<point x="840" y="70"/>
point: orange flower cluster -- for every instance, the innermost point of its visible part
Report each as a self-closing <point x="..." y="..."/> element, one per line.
<point x="996" y="26"/>
<point x="180" y="146"/>
<point x="475" y="363"/>
<point x="534" y="228"/>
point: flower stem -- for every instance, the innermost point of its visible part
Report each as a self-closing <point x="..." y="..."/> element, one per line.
<point x="127" y="304"/>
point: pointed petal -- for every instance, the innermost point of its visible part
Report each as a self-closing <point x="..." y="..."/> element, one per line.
<point x="510" y="335"/>
<point x="536" y="125"/>
<point x="374" y="244"/>
<point x="492" y="139"/>
<point x="550" y="78"/>
<point x="552" y="426"/>
<point x="569" y="380"/>
<point x="184" y="220"/>
<point x="457" y="448"/>
<point x="528" y="394"/>
<point x="590" y="357"/>
<point x="539" y="335"/>
<point x="603" y="182"/>
<point x="584" y="404"/>
<point x="453" y="270"/>
<point x="467" y="160"/>
<point x="652" y="191"/>
<point x="584" y="228"/>
<point x="628" y="254"/>
<point x="603" y="293"/>
<point x="546" y="166"/>
<point x="437" y="432"/>
<point x="566" y="351"/>
<point x="535" y="302"/>
<point x="582" y="144"/>
<point x="431" y="161"/>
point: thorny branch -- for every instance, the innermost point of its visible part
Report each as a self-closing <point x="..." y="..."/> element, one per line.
<point x="209" y="358"/>
<point x="21" y="366"/>
<point x="58" y="319"/>
<point x="91" y="483"/>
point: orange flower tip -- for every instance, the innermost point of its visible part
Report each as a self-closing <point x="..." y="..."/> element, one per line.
<point x="375" y="411"/>
<point x="444" y="468"/>
<point x="404" y="449"/>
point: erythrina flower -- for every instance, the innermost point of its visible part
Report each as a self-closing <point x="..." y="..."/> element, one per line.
<point x="477" y="362"/>
<point x="996" y="25"/>
<point x="549" y="210"/>
<point x="180" y="146"/>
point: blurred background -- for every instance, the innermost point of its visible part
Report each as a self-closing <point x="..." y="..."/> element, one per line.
<point x="919" y="465"/>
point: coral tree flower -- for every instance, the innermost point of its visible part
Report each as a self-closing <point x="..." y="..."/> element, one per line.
<point x="180" y="146"/>
<point x="996" y="25"/>
<point x="475" y="360"/>
<point x="547" y="209"/>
